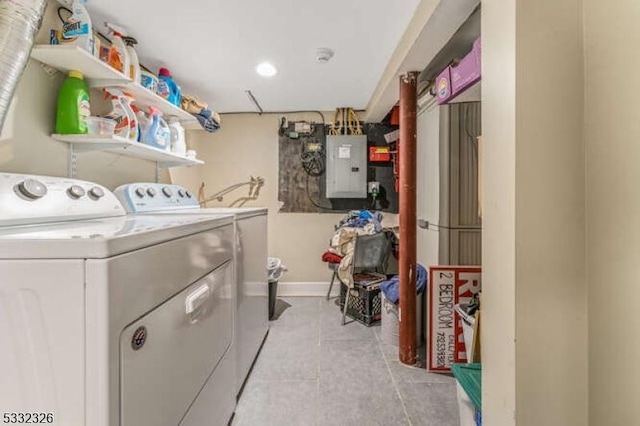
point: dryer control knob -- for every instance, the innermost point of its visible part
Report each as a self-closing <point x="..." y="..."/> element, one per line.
<point x="152" y="192"/>
<point x="32" y="188"/>
<point x="96" y="192"/>
<point x="181" y="193"/>
<point x="76" y="191"/>
<point x="140" y="192"/>
<point x="188" y="194"/>
<point x="167" y="191"/>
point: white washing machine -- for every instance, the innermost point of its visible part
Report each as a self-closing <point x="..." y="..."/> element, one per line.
<point x="108" y="319"/>
<point x="252" y="292"/>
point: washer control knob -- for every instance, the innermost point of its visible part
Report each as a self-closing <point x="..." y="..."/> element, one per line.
<point x="152" y="192"/>
<point x="32" y="188"/>
<point x="188" y="194"/>
<point x="140" y="192"/>
<point x="181" y="193"/>
<point x="167" y="191"/>
<point x="96" y="192"/>
<point x="76" y="191"/>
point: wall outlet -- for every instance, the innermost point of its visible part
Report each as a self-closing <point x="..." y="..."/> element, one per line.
<point x="373" y="187"/>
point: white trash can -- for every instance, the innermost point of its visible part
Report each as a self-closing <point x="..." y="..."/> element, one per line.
<point x="275" y="270"/>
<point x="390" y="324"/>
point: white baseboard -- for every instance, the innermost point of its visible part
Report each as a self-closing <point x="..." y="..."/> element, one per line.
<point x="308" y="288"/>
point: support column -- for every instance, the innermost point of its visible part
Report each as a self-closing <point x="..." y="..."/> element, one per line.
<point x="407" y="263"/>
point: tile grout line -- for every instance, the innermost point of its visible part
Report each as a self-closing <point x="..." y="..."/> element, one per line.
<point x="393" y="379"/>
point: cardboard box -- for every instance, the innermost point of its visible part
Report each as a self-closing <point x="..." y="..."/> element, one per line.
<point x="467" y="72"/>
<point x="443" y="86"/>
<point x="448" y="286"/>
<point x="454" y="80"/>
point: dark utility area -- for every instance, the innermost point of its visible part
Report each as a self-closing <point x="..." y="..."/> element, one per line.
<point x="302" y="157"/>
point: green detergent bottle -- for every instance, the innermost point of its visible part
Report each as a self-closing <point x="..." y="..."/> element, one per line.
<point x="73" y="105"/>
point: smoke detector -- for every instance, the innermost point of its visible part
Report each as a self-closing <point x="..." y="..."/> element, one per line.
<point x="324" y="55"/>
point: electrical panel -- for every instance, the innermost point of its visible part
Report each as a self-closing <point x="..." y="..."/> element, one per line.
<point x="346" y="166"/>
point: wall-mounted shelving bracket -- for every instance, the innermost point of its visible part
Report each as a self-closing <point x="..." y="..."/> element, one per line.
<point x="72" y="162"/>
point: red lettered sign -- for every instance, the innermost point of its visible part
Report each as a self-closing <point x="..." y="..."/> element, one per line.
<point x="448" y="286"/>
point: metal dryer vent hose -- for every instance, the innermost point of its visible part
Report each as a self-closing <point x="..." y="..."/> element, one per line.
<point x="20" y="21"/>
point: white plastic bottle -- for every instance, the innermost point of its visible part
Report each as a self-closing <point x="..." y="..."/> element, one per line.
<point x="121" y="112"/>
<point x="118" y="43"/>
<point x="127" y="99"/>
<point x="178" y="140"/>
<point x="157" y="134"/>
<point x="143" y="122"/>
<point x="164" y="134"/>
<point x="77" y="29"/>
<point x="119" y="115"/>
<point x="134" y="62"/>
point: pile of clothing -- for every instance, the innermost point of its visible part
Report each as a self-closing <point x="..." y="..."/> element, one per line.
<point x="362" y="219"/>
<point x="209" y="120"/>
<point x="341" y="247"/>
<point x="391" y="288"/>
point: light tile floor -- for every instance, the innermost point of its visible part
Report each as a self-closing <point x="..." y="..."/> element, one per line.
<point x="314" y="371"/>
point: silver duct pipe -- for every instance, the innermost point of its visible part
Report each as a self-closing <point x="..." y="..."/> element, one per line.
<point x="20" y="21"/>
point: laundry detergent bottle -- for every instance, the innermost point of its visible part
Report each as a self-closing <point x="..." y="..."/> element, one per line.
<point x="168" y="88"/>
<point x="77" y="30"/>
<point x="158" y="134"/>
<point x="73" y="105"/>
<point x="178" y="140"/>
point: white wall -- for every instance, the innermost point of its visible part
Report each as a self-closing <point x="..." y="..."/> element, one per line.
<point x="498" y="220"/>
<point x="612" y="123"/>
<point x="25" y="145"/>
<point x="247" y="145"/>
<point x="534" y="288"/>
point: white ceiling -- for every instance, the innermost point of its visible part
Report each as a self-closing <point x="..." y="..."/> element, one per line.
<point x="212" y="47"/>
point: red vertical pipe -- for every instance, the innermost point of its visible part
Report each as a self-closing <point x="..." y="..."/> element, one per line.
<point x="407" y="262"/>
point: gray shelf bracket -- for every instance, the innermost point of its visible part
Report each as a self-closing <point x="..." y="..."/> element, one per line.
<point x="72" y="162"/>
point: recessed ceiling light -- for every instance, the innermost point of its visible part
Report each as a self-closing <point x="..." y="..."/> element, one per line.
<point x="265" y="69"/>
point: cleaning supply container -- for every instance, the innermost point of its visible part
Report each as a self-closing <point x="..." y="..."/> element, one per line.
<point x="178" y="139"/>
<point x="149" y="80"/>
<point x="134" y="62"/>
<point x="127" y="100"/>
<point x="77" y="30"/>
<point x="120" y="112"/>
<point x="118" y="55"/>
<point x="73" y="105"/>
<point x="168" y="89"/>
<point x="157" y="134"/>
<point x="143" y="122"/>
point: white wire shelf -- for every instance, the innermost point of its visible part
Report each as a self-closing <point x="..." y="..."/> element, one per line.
<point x="119" y="145"/>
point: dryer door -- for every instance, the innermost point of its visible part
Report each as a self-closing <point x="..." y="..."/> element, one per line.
<point x="167" y="355"/>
